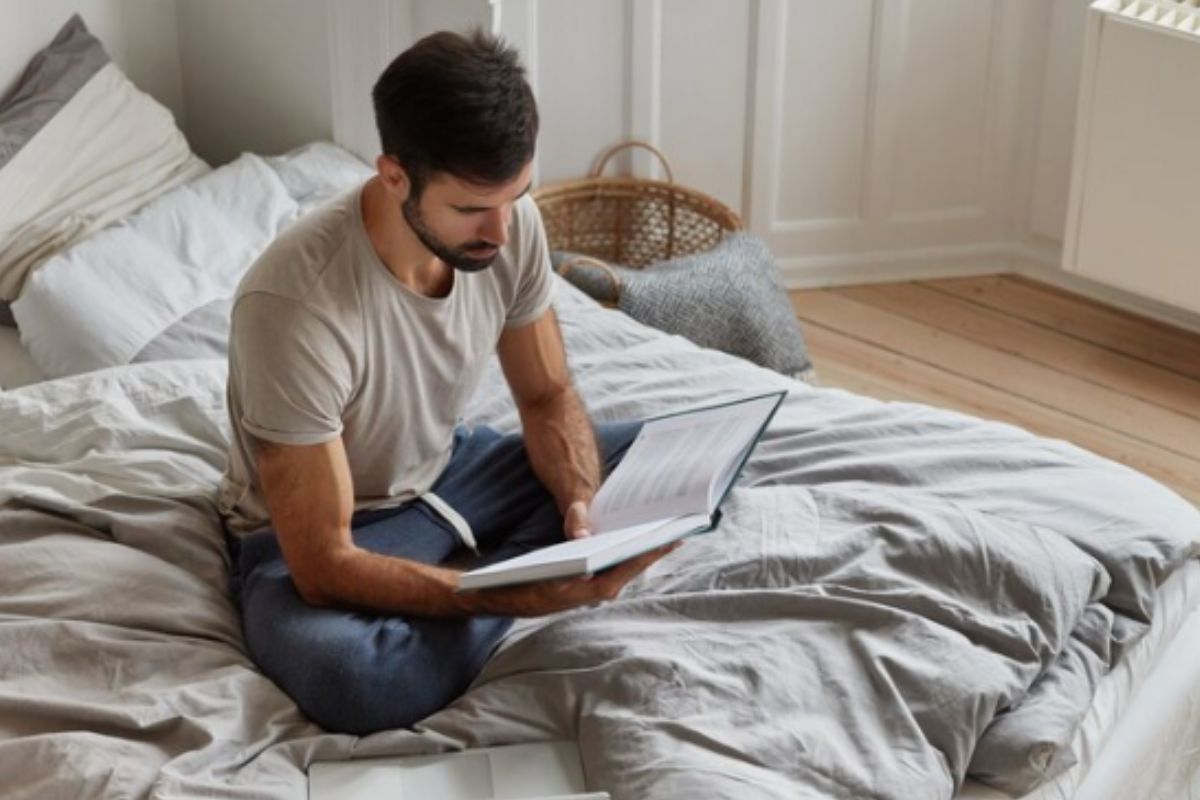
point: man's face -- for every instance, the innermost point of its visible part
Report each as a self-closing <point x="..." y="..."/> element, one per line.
<point x="464" y="224"/>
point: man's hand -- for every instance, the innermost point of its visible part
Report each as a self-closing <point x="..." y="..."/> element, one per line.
<point x="576" y="522"/>
<point x="547" y="597"/>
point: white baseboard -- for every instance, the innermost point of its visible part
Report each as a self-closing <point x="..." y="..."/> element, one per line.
<point x="1037" y="260"/>
<point x="897" y="265"/>
<point x="1040" y="262"/>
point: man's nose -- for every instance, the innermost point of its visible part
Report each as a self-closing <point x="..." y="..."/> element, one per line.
<point x="495" y="226"/>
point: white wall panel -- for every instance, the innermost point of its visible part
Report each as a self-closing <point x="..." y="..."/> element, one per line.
<point x="825" y="90"/>
<point x="944" y="115"/>
<point x="867" y="146"/>
<point x="701" y="108"/>
<point x="364" y="37"/>
<point x="582" y="57"/>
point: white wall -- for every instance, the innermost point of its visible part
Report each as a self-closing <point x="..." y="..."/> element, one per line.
<point x="139" y="35"/>
<point x="256" y="75"/>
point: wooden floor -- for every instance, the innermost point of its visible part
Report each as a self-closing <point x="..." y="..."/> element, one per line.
<point x="1007" y="348"/>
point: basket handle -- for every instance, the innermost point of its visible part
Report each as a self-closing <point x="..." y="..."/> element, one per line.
<point x="612" y="151"/>
<point x="566" y="266"/>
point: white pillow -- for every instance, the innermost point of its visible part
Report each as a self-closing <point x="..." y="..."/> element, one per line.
<point x="80" y="147"/>
<point x="99" y="303"/>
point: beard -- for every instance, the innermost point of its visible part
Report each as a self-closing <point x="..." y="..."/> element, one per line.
<point x="456" y="257"/>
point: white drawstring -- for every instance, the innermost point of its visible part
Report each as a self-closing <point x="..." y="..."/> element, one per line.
<point x="454" y="518"/>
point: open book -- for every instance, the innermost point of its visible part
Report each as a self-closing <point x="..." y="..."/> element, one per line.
<point x="669" y="484"/>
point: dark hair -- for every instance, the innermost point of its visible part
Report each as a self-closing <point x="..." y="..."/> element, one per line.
<point x="457" y="104"/>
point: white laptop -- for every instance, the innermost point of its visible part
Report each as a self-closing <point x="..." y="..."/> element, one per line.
<point x="542" y="771"/>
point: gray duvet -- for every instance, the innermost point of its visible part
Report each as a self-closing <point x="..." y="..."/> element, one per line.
<point x="897" y="596"/>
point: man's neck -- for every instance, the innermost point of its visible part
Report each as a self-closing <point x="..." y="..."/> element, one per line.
<point x="398" y="248"/>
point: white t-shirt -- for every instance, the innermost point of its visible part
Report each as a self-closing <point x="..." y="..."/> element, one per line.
<point x="326" y="342"/>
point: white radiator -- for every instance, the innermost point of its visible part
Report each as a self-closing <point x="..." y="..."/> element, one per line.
<point x="1134" y="216"/>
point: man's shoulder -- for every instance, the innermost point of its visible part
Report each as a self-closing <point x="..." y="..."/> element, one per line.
<point x="305" y="255"/>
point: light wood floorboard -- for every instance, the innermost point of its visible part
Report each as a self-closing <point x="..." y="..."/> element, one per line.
<point x="1007" y="348"/>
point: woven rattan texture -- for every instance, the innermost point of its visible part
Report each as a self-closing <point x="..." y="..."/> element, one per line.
<point x="630" y="221"/>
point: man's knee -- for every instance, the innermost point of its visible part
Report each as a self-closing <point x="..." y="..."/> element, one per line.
<point x="350" y="690"/>
<point x="362" y="678"/>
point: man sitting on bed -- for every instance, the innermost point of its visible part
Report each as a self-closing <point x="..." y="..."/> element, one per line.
<point x="357" y="338"/>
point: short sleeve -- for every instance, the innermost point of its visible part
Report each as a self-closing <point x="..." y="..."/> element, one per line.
<point x="290" y="373"/>
<point x="536" y="282"/>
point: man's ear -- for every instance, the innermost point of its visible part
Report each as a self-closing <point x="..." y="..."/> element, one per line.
<point x="394" y="177"/>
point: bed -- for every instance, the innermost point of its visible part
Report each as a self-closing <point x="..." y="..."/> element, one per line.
<point x="900" y="602"/>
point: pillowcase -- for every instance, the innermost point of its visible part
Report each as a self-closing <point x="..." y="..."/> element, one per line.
<point x="728" y="298"/>
<point x="80" y="147"/>
<point x="150" y="287"/>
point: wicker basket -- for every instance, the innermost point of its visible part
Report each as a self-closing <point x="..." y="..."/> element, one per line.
<point x="631" y="221"/>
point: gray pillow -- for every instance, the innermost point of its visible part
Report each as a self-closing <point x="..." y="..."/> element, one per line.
<point x="729" y="298"/>
<point x="52" y="78"/>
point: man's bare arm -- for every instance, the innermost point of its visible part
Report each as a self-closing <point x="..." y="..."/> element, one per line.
<point x="309" y="493"/>
<point x="558" y="434"/>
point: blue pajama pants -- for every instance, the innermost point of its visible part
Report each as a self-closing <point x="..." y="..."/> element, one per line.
<point x="359" y="672"/>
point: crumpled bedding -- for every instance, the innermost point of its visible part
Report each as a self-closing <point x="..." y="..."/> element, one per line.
<point x="892" y="589"/>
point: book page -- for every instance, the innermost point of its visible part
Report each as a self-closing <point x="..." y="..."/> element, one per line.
<point x="717" y="488"/>
<point x="672" y="465"/>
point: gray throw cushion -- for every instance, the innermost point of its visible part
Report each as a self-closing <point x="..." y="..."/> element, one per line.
<point x="52" y="78"/>
<point x="729" y="298"/>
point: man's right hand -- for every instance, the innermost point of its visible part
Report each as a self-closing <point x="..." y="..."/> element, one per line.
<point x="547" y="597"/>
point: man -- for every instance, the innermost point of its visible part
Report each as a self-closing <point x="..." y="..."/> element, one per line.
<point x="357" y="338"/>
